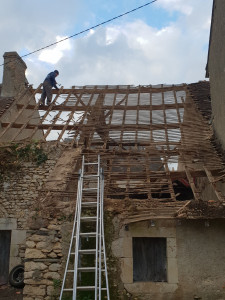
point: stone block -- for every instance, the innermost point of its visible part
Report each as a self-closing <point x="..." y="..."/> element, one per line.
<point x="31" y="266"/>
<point x="52" y="275"/>
<point x="171" y="247"/>
<point x="14" y="250"/>
<point x="34" y="253"/>
<point x="172" y="270"/>
<point x="42" y="245"/>
<point x="34" y="290"/>
<point x="50" y="290"/>
<point x="8" y="223"/>
<point x="18" y="236"/>
<point x="144" y="229"/>
<point x="122" y="247"/>
<point x="54" y="267"/>
<point x="38" y="238"/>
<point x="30" y="244"/>
<point x="57" y="246"/>
<point x="52" y="255"/>
<point x="127" y="270"/>
<point x="54" y="227"/>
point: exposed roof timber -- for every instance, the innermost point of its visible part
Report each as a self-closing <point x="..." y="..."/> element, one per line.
<point x="107" y="107"/>
<point x="140" y="133"/>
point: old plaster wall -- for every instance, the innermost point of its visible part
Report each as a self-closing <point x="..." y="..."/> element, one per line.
<point x="195" y="250"/>
<point x="216" y="68"/>
<point x="200" y="255"/>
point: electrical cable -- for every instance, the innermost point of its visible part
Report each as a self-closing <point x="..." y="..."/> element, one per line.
<point x="83" y="31"/>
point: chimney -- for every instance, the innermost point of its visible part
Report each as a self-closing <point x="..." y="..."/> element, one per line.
<point x="14" y="79"/>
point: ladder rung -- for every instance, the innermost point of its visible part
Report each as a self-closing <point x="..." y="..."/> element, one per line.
<point x="83" y="269"/>
<point x="86" y="269"/>
<point x="92" y="219"/>
<point x="88" y="234"/>
<point x="87" y="189"/>
<point x="88" y="176"/>
<point x="89" y="203"/>
<point x="88" y="288"/>
<point x="95" y="163"/>
<point x="87" y="251"/>
<point x="84" y="288"/>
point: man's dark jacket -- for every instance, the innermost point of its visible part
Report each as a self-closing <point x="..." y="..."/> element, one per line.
<point x="51" y="79"/>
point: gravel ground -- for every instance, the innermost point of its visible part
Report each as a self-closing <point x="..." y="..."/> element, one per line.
<point x="10" y="293"/>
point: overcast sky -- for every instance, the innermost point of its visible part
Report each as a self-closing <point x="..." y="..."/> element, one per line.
<point x="165" y="42"/>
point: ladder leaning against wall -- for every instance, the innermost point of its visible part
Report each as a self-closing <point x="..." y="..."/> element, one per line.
<point x="86" y="271"/>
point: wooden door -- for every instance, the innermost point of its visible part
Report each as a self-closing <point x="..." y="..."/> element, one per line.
<point x="5" y="240"/>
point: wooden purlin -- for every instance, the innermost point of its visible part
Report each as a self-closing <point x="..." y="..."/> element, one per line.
<point x="122" y="90"/>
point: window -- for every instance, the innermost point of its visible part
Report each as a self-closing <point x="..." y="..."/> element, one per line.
<point x="149" y="259"/>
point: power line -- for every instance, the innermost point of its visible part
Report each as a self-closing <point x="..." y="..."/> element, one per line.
<point x="83" y="31"/>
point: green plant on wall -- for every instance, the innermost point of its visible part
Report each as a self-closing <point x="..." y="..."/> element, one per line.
<point x="12" y="156"/>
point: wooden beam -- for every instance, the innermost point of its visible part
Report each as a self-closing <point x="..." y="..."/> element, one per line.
<point x="107" y="107"/>
<point x="133" y="90"/>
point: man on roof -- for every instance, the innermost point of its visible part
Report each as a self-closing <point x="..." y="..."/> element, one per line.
<point x="48" y="84"/>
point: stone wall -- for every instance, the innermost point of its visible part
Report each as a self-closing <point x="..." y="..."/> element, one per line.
<point x="34" y="209"/>
<point x="20" y="190"/>
<point x="43" y="262"/>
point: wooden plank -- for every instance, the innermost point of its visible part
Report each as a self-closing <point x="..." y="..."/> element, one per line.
<point x="128" y="127"/>
<point x="133" y="90"/>
<point x="108" y="107"/>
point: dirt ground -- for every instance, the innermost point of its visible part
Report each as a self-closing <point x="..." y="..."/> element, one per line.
<point x="10" y="293"/>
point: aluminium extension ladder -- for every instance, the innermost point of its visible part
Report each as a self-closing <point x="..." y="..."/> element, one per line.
<point x="87" y="246"/>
